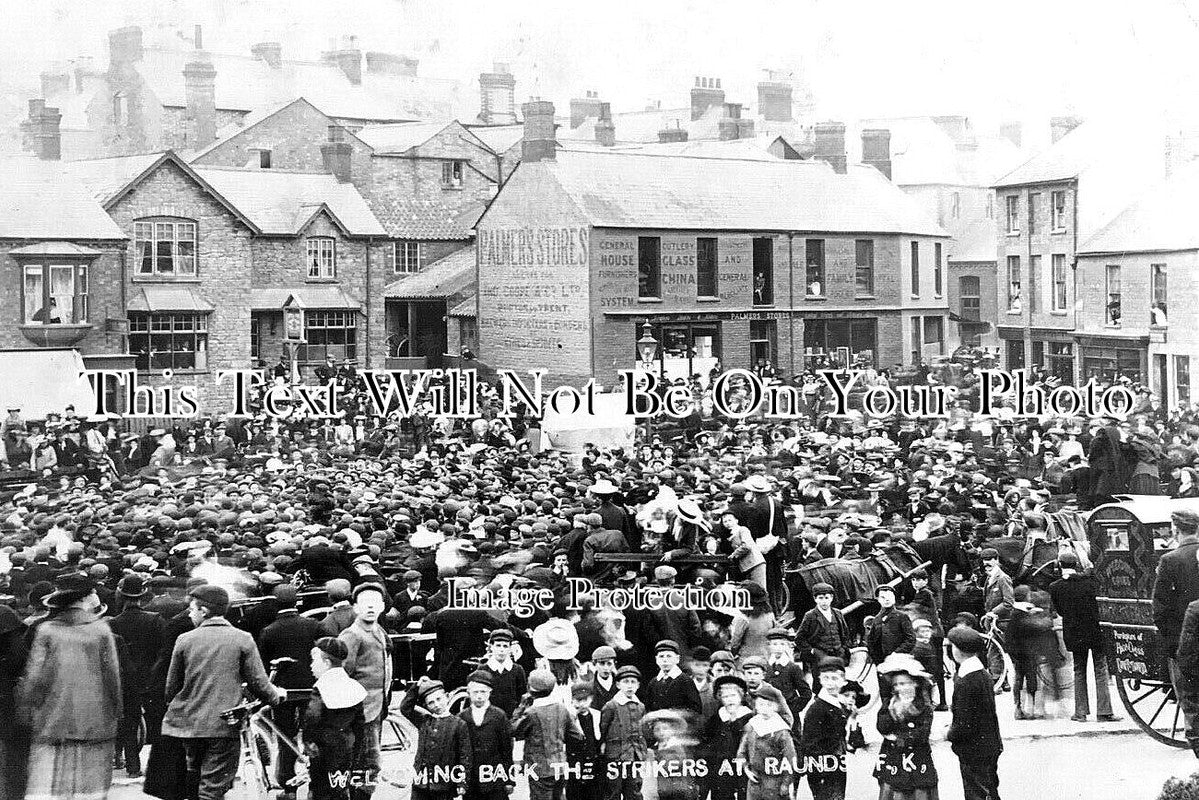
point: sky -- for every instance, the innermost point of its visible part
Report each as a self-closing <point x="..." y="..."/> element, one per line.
<point x="992" y="61"/>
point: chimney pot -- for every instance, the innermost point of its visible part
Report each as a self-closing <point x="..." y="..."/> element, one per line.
<point x="497" y="96"/>
<point x="876" y="150"/>
<point x="269" y="52"/>
<point x="705" y="96"/>
<point x="48" y="133"/>
<point x="337" y="155"/>
<point x="774" y="101"/>
<point x="584" y="108"/>
<point x="199" y="87"/>
<point x="539" y="143"/>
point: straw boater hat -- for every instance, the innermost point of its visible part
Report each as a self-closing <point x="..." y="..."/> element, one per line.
<point x="604" y="486"/>
<point x="689" y="511"/>
<point x="903" y="662"/>
<point x="556" y="639"/>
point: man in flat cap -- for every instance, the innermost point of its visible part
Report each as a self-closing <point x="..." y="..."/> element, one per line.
<point x="1176" y="586"/>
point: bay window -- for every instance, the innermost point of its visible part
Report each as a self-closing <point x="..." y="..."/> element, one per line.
<point x="55" y="294"/>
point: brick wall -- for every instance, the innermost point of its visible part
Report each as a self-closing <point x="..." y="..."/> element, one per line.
<point x="104" y="297"/>
<point x="399" y="184"/>
<point x="174" y="135"/>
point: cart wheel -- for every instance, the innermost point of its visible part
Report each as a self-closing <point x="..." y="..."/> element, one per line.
<point x="859" y="666"/>
<point x="1155" y="708"/>
<point x="781" y="601"/>
<point x="459" y="700"/>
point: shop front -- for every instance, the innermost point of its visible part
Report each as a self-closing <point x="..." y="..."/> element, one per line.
<point x="840" y="342"/>
<point x="1107" y="358"/>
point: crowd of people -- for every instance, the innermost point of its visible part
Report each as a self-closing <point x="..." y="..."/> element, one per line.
<point x="152" y="576"/>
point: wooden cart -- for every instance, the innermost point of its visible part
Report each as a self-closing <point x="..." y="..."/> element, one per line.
<point x="1127" y="539"/>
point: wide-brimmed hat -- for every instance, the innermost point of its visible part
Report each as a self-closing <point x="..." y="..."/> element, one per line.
<point x="689" y="511"/>
<point x="903" y="662"/>
<point x="758" y="483"/>
<point x="423" y="537"/>
<point x="604" y="486"/>
<point x="68" y="588"/>
<point x="556" y="639"/>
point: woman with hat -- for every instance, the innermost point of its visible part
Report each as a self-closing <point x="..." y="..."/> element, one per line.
<point x="557" y="642"/>
<point x="70" y="695"/>
<point x="721" y="736"/>
<point x="905" y="768"/>
<point x="14" y="739"/>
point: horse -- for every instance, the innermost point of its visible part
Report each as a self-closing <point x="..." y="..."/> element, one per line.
<point x="1041" y="556"/>
<point x="946" y="550"/>
<point x="852" y="579"/>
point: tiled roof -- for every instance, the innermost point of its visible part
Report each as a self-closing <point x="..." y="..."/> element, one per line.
<point x="408" y="217"/>
<point x="283" y="202"/>
<point x="41" y="200"/>
<point x="1163" y="219"/>
<point x="245" y="83"/>
<point x="440" y="280"/>
<point x="500" y="138"/>
<point x="309" y="295"/>
<point x="754" y="149"/>
<point x="628" y="190"/>
<point x="168" y="298"/>
<point x="467" y="308"/>
<point x="106" y="177"/>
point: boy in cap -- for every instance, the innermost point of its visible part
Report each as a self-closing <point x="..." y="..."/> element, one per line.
<point x="723" y="663"/>
<point x="490" y="735"/>
<point x="603" y="680"/>
<point x="586" y="781"/>
<point x="508" y="677"/>
<point x="889" y="632"/>
<point x="824" y="726"/>
<point x="622" y="736"/>
<point x="974" y="731"/>
<point x="443" y="760"/>
<point x="671" y="688"/>
<point x="823" y="632"/>
<point x="332" y="721"/>
<point x="767" y="744"/>
<point x="546" y="728"/>
<point x="785" y="675"/>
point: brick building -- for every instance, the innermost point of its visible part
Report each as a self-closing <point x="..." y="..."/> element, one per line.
<point x="215" y="255"/>
<point x="170" y="93"/>
<point x="1044" y="209"/>
<point x="728" y="260"/>
<point x="62" y="261"/>
<point x="1135" y="277"/>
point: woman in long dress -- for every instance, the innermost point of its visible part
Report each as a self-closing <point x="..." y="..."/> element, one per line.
<point x="70" y="696"/>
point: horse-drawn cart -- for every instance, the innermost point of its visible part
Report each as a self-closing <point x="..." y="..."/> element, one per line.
<point x="1127" y="539"/>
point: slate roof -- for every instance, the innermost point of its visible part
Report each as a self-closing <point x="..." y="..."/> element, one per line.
<point x="467" y="308"/>
<point x="400" y="138"/>
<point x="1082" y="147"/>
<point x="309" y="295"/>
<point x="500" y="138"/>
<point x="284" y="202"/>
<point x="440" y="280"/>
<point x="107" y="177"/>
<point x="41" y="200"/>
<point x="1162" y="220"/>
<point x="245" y="83"/>
<point x="630" y="190"/>
<point x="923" y="152"/>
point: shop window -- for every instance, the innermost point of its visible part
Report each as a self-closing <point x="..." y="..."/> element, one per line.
<point x="814" y="273"/>
<point x="329" y="333"/>
<point x="1015" y="354"/>
<point x="763" y="272"/>
<point x="762" y="335"/>
<point x="649" y="267"/>
<point x="61" y="300"/>
<point x="169" y="341"/>
<point x="840" y="342"/>
<point x="706" y="274"/>
<point x="165" y="247"/>
<point x="864" y="269"/>
<point x="1061" y="360"/>
<point x="685" y="349"/>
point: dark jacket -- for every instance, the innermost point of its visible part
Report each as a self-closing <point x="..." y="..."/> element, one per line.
<point x="442" y="748"/>
<point x="143" y="631"/>
<point x="291" y="636"/>
<point x="1188" y="641"/>
<point x="974" y="730"/>
<point x="678" y="692"/>
<point x="891" y="632"/>
<point x="491" y="744"/>
<point x="1074" y="600"/>
<point x="460" y="635"/>
<point x="1176" y="586"/>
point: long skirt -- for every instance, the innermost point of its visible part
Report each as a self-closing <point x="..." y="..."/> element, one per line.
<point x="14" y="761"/>
<point x="888" y="792"/>
<point x="69" y="770"/>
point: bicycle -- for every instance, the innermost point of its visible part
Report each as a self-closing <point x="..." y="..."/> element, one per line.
<point x="261" y="739"/>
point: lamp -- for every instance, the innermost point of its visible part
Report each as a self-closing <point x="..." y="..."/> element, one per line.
<point x="647" y="345"/>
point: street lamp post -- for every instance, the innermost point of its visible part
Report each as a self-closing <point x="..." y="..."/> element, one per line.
<point x="647" y="347"/>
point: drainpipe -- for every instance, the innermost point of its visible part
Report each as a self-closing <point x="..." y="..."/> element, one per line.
<point x="791" y="293"/>
<point x="1074" y="269"/>
<point x="1028" y="288"/>
<point x="366" y="329"/>
<point x="124" y="295"/>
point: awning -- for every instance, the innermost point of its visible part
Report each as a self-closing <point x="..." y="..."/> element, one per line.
<point x="306" y="295"/>
<point x="441" y="280"/>
<point x="464" y="309"/>
<point x="168" y="298"/>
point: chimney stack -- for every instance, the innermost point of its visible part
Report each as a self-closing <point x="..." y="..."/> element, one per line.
<point x="1060" y="126"/>
<point x="391" y="64"/>
<point x="83" y="73"/>
<point x="1013" y="132"/>
<point x="41" y="133"/>
<point x="55" y="82"/>
<point x="540" y="141"/>
<point x="336" y="154"/>
<point x="727" y="127"/>
<point x="269" y="52"/>
<point x="124" y="46"/>
<point x="582" y="108"/>
<point x="497" y="96"/>
<point x="830" y="145"/>
<point x="676" y="134"/>
<point x="774" y="101"/>
<point x="348" y="59"/>
<point x="705" y="94"/>
<point x="605" y="129"/>
<point x="199" y="89"/>
<point x="876" y="150"/>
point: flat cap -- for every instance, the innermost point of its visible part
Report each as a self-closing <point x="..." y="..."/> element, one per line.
<point x="628" y="672"/>
<point x="667" y="644"/>
<point x="481" y="676"/>
<point x="603" y="653"/>
<point x="1185" y="520"/>
<point x="822" y="588"/>
<point x="967" y="640"/>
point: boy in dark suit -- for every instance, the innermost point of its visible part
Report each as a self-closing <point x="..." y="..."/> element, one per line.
<point x="586" y="779"/>
<point x="672" y="688"/>
<point x="823" y="739"/>
<point x="974" y="731"/>
<point x="890" y="632"/>
<point x="490" y="735"/>
<point x="785" y="675"/>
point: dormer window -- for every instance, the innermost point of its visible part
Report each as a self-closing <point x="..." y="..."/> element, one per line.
<point x="451" y="174"/>
<point x="322" y="257"/>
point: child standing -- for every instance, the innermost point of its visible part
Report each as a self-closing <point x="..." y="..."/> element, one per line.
<point x="767" y="743"/>
<point x="508" y="686"/>
<point x="824" y="727"/>
<point x="929" y="656"/>
<point x="823" y="632"/>
<point x="490" y="741"/>
<point x="547" y="728"/>
<point x="333" y="721"/>
<point x="623" y="739"/>
<point x="443" y="754"/>
<point x="586" y="781"/>
<point x="785" y="675"/>
<point x="929" y="607"/>
<point x="722" y="738"/>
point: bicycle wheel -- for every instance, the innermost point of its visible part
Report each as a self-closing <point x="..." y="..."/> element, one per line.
<point x="394" y="736"/>
<point x="252" y="783"/>
<point x="998" y="665"/>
